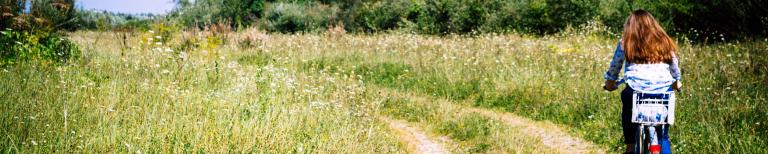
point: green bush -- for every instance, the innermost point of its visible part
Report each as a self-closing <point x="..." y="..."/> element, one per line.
<point x="19" y="46"/>
<point x="236" y="13"/>
<point x="378" y="16"/>
<point x="298" y="17"/>
<point x="701" y="19"/>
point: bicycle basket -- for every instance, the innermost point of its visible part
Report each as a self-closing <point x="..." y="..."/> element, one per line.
<point x="653" y="108"/>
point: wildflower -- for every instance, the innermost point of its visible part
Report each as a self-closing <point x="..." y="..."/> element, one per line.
<point x="165" y="71"/>
<point x="183" y="55"/>
<point x="591" y="116"/>
<point x="231" y="65"/>
<point x="317" y="104"/>
<point x="158" y="37"/>
<point x="158" y="43"/>
<point x="151" y="31"/>
<point x="33" y="142"/>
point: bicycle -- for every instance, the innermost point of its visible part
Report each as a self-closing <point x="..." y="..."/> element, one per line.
<point x="650" y="110"/>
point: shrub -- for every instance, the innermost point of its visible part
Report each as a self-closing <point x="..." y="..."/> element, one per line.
<point x="44" y="47"/>
<point x="298" y="17"/>
<point x="380" y="15"/>
<point x="236" y="13"/>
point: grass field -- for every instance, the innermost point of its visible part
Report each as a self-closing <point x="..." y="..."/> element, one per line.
<point x="318" y="93"/>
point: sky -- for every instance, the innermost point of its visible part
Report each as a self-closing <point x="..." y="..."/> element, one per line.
<point x="128" y="6"/>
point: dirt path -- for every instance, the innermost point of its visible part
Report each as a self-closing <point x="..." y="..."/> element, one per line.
<point x="417" y="141"/>
<point x="550" y="135"/>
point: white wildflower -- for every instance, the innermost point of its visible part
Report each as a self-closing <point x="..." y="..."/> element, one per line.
<point x="158" y="37"/>
<point x="232" y="65"/>
<point x="33" y="142"/>
<point x="151" y="31"/>
<point x="165" y="71"/>
<point x="317" y="104"/>
<point x="183" y="55"/>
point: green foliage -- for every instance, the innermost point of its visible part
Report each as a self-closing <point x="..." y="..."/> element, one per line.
<point x="405" y="109"/>
<point x="236" y="13"/>
<point x="298" y="17"/>
<point x="467" y="16"/>
<point x="379" y="15"/>
<point x="260" y="59"/>
<point x="697" y="19"/>
<point x="46" y="15"/>
<point x="19" y="46"/>
<point x="95" y="20"/>
<point x="471" y="126"/>
<point x="383" y="73"/>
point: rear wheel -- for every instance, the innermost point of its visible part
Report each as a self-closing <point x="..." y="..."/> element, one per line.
<point x="640" y="144"/>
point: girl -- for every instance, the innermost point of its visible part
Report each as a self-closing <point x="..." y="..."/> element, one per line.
<point x="651" y="66"/>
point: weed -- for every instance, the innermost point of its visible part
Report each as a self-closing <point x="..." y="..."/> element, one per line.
<point x="402" y="108"/>
<point x="467" y="127"/>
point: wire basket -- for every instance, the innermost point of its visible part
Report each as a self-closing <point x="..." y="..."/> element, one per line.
<point x="653" y="108"/>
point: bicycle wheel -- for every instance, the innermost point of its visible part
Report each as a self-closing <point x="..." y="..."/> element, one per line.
<point x="640" y="138"/>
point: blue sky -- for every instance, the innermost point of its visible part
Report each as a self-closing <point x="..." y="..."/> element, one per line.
<point x="128" y="6"/>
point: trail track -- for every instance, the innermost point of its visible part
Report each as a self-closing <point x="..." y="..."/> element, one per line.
<point x="550" y="135"/>
<point x="417" y="141"/>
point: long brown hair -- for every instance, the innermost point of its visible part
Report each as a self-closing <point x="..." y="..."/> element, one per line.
<point x="645" y="41"/>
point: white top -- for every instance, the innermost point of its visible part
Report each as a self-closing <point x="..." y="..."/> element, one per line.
<point x="657" y="77"/>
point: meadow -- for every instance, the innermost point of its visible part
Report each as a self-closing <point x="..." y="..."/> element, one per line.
<point x="250" y="91"/>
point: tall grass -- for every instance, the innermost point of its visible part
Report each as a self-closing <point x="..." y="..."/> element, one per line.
<point x="557" y="78"/>
<point x="318" y="93"/>
<point x="159" y="100"/>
